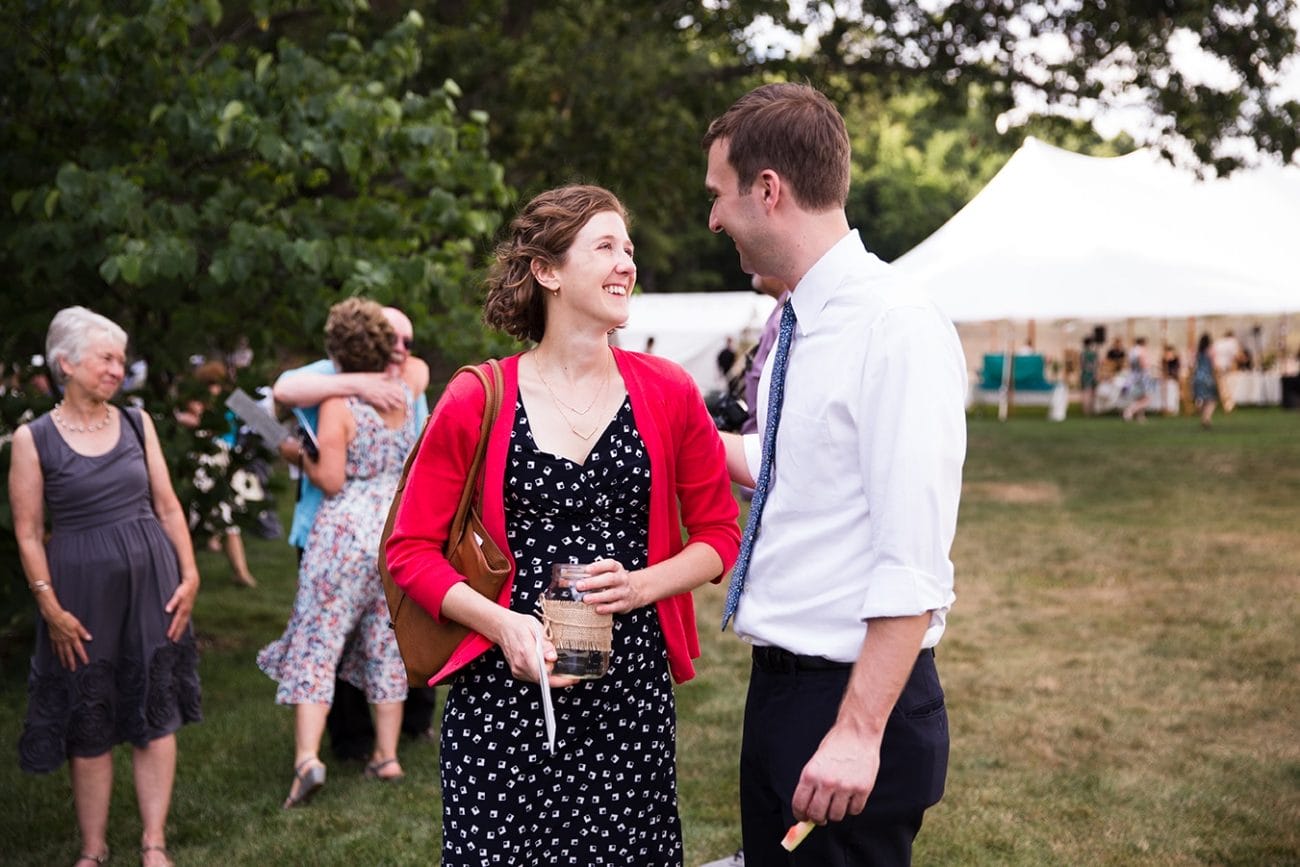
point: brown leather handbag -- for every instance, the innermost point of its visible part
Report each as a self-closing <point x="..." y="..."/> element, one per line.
<point x="425" y="643"/>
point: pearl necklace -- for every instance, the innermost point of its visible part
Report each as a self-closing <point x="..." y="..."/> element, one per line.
<point x="57" y="414"/>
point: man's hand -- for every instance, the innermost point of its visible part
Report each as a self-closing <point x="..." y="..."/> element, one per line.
<point x="838" y="778"/>
<point x="382" y="392"/>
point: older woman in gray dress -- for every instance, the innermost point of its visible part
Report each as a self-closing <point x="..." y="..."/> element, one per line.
<point x="114" y="584"/>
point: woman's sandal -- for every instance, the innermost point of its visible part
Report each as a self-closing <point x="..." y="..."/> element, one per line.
<point x="308" y="777"/>
<point x="373" y="768"/>
<point x="96" y="859"/>
<point x="162" y="850"/>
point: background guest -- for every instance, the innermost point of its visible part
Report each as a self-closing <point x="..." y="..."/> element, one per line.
<point x="351" y="732"/>
<point x="1139" y="382"/>
<point x="339" y="626"/>
<point x="1088" y="362"/>
<point x="1205" y="381"/>
<point x="215" y="521"/>
<point x="115" y="659"/>
<point x="773" y="288"/>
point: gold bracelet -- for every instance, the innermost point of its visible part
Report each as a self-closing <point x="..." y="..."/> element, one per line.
<point x="40" y="586"/>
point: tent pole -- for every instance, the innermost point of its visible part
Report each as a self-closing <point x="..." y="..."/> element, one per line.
<point x="1008" y="382"/>
<point x="1165" y="408"/>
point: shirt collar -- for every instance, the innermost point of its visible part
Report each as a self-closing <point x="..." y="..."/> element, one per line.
<point x="815" y="290"/>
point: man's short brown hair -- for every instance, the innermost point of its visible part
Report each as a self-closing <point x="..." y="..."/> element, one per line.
<point x="794" y="130"/>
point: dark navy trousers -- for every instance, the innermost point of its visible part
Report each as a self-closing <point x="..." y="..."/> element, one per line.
<point x="792" y="703"/>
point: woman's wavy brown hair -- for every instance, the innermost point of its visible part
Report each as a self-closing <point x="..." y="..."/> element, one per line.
<point x="358" y="337"/>
<point x="543" y="232"/>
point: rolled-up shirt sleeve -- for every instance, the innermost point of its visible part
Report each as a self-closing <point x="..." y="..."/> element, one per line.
<point x="911" y="448"/>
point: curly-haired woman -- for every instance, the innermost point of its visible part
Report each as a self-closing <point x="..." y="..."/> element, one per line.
<point x="599" y="457"/>
<point x="340" y="617"/>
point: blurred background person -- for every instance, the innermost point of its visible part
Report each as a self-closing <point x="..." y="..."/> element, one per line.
<point x="1226" y="352"/>
<point x="213" y="518"/>
<point x="1116" y="357"/>
<point x="1172" y="368"/>
<point x="351" y="731"/>
<point x="339" y="626"/>
<point x="115" y="659"/>
<point x="1205" y="382"/>
<point x="1088" y="362"/>
<point x="1139" y="382"/>
<point x="727" y="358"/>
<point x="773" y="288"/>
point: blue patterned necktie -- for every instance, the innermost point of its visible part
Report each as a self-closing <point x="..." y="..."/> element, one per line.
<point x="775" y="396"/>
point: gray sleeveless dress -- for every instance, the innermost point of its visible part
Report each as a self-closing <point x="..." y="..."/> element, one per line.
<point x="112" y="566"/>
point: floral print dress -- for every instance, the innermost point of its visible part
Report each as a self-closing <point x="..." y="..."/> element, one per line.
<point x="340" y="616"/>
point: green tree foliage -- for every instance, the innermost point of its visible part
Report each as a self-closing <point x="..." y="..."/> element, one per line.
<point x="207" y="175"/>
<point x="610" y="93"/>
<point x="620" y="93"/>
<point x="203" y="181"/>
<point x="1076" y="56"/>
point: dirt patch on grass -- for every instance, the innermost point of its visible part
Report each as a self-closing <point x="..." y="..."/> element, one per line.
<point x="1030" y="493"/>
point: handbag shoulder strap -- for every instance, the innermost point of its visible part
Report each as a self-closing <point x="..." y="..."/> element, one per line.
<point x="492" y="388"/>
<point x="491" y="409"/>
<point x="134" y="424"/>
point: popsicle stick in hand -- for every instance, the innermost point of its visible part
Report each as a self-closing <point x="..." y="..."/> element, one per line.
<point x="795" y="835"/>
<point x="548" y="710"/>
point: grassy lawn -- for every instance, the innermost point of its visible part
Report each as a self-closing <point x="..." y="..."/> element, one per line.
<point x="1121" y="669"/>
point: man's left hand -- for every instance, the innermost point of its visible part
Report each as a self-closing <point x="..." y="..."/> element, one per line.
<point x="838" y="778"/>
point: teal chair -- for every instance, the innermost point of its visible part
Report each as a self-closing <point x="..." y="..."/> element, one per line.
<point x="1029" y="372"/>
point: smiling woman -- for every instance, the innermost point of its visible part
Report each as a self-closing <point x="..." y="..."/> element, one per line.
<point x="598" y="458"/>
<point x="115" y="659"/>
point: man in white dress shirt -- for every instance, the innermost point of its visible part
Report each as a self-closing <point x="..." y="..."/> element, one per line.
<point x="849" y="581"/>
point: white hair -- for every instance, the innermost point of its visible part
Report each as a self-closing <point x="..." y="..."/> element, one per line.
<point x="70" y="330"/>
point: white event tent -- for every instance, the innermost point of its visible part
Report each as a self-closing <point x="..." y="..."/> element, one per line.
<point x="1058" y="235"/>
<point x="692" y="327"/>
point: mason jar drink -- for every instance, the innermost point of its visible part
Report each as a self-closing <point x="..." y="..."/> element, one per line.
<point x="583" y="639"/>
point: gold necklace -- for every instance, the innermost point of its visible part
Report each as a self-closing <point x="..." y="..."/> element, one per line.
<point x="62" y="422"/>
<point x="560" y="405"/>
<point x="555" y="397"/>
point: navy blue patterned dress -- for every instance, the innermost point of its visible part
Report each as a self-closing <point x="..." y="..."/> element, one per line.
<point x="609" y="794"/>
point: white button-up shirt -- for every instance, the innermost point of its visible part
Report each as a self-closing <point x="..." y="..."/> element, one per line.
<point x="862" y="508"/>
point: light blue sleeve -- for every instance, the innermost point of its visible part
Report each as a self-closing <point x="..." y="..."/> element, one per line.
<point x="309" y="496"/>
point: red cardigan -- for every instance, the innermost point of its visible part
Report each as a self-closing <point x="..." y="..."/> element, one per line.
<point x="688" y="477"/>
